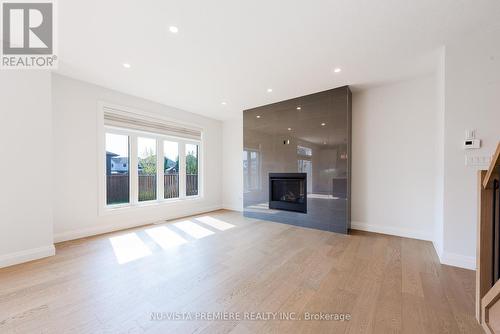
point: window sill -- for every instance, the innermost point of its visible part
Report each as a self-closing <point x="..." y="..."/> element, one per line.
<point x="111" y="209"/>
<point x="193" y="197"/>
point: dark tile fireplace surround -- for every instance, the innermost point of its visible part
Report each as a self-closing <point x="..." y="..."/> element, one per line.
<point x="297" y="161"/>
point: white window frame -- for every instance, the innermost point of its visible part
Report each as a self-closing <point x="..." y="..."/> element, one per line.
<point x="130" y="167"/>
<point x="158" y="159"/>
<point x="133" y="135"/>
<point x="183" y="175"/>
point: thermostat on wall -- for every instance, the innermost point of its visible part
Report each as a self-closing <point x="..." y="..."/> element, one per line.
<point x="472" y="143"/>
<point x="470" y="139"/>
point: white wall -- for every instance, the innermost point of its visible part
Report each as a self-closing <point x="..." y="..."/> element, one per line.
<point x="393" y="163"/>
<point x="26" y="168"/>
<point x="394" y="159"/>
<point x="418" y="128"/>
<point x="232" y="166"/>
<point x="76" y="211"/>
<point x="409" y="175"/>
<point x="439" y="156"/>
<point x="472" y="102"/>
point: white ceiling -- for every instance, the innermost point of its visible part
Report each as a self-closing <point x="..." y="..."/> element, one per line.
<point x="232" y="51"/>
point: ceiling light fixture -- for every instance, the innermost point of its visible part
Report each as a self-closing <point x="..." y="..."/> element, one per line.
<point x="324" y="143"/>
<point x="173" y="29"/>
<point x="258" y="116"/>
<point x="289" y="129"/>
<point x="269" y="90"/>
<point x="323" y="124"/>
<point x="224" y="103"/>
<point x="299" y="108"/>
<point x="126" y="65"/>
<point x="337" y="70"/>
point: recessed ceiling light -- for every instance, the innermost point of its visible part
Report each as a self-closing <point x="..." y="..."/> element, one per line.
<point x="223" y="103"/>
<point x="337" y="70"/>
<point x="258" y="116"/>
<point x="323" y="124"/>
<point x="126" y="65"/>
<point x="173" y="29"/>
<point x="299" y="108"/>
<point x="269" y="90"/>
<point x="324" y="143"/>
<point x="289" y="129"/>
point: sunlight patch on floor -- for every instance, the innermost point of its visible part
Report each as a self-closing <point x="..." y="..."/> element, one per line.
<point x="129" y="247"/>
<point x="193" y="229"/>
<point x="215" y="223"/>
<point x="165" y="237"/>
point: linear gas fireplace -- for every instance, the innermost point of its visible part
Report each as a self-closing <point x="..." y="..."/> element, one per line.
<point x="288" y="191"/>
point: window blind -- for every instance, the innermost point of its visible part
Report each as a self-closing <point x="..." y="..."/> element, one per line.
<point x="134" y="121"/>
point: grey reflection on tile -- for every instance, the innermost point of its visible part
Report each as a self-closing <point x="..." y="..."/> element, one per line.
<point x="309" y="134"/>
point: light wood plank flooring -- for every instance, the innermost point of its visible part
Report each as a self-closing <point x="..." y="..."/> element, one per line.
<point x="222" y="261"/>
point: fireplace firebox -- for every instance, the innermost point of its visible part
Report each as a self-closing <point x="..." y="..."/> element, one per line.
<point x="288" y="191"/>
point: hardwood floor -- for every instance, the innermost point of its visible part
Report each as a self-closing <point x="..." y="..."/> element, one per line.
<point x="228" y="263"/>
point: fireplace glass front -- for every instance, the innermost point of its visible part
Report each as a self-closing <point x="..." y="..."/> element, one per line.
<point x="288" y="191"/>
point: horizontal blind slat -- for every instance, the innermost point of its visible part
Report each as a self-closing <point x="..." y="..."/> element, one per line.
<point x="132" y="121"/>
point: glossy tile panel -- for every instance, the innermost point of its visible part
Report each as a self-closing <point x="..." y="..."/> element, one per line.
<point x="309" y="134"/>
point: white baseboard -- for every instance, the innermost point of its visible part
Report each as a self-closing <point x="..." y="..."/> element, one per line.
<point x="458" y="260"/>
<point x="400" y="232"/>
<point x="232" y="207"/>
<point x="106" y="228"/>
<point x="26" y="255"/>
<point x="438" y="249"/>
<point x="451" y="259"/>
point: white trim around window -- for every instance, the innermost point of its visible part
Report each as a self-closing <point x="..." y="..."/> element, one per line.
<point x="133" y="135"/>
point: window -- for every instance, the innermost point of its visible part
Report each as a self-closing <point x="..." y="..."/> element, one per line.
<point x="117" y="177"/>
<point x="171" y="169"/>
<point x="305" y="164"/>
<point x="146" y="168"/>
<point x="191" y="169"/>
<point x="302" y="150"/>
<point x="251" y="170"/>
<point x="148" y="159"/>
